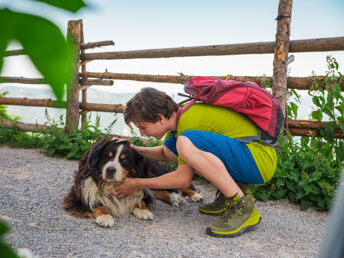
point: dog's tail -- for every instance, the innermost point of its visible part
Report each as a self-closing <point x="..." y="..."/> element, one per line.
<point x="74" y="205"/>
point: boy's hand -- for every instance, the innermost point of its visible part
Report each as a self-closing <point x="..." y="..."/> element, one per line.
<point x="128" y="186"/>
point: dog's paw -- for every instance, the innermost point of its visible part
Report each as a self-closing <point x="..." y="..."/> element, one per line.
<point x="105" y="221"/>
<point x="197" y="197"/>
<point x="176" y="199"/>
<point x="143" y="214"/>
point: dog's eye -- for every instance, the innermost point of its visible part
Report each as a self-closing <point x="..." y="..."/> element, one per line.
<point x="108" y="155"/>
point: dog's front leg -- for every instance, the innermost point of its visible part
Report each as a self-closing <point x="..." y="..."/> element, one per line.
<point x="142" y="212"/>
<point x="102" y="217"/>
<point x="192" y="195"/>
<point x="174" y="198"/>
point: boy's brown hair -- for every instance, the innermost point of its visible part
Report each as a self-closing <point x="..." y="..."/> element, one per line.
<point x="147" y="104"/>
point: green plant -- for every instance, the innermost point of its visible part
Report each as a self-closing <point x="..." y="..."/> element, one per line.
<point x="291" y="105"/>
<point x="308" y="169"/>
<point x="55" y="142"/>
<point x="5" y="250"/>
<point x="330" y="104"/>
<point x="304" y="175"/>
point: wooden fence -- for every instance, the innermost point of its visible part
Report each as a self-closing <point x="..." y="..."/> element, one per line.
<point x="84" y="79"/>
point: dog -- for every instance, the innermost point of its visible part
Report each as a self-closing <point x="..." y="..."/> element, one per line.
<point x="104" y="166"/>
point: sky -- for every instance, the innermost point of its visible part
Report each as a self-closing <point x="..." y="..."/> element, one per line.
<point x="153" y="24"/>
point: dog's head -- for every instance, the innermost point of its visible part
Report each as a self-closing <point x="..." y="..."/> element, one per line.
<point x="113" y="160"/>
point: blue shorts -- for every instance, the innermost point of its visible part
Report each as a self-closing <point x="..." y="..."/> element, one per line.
<point x="235" y="155"/>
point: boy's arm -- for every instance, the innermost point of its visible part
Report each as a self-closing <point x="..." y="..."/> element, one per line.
<point x="179" y="178"/>
<point x="156" y="153"/>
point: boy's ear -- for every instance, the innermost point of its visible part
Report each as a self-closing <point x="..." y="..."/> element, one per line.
<point x="161" y="118"/>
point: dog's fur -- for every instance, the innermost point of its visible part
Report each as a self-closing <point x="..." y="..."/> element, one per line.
<point x="105" y="165"/>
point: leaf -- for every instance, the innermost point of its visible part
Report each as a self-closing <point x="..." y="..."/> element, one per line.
<point x="291" y="186"/>
<point x="317" y="115"/>
<point x="340" y="109"/>
<point x="329" y="131"/>
<point x="314" y="189"/>
<point x="305" y="205"/>
<point x="5" y="36"/>
<point x="341" y="128"/>
<point x="279" y="193"/>
<point x="328" y="112"/>
<point x="3" y="228"/>
<point x="329" y="100"/>
<point x="45" y="44"/>
<point x="294" y="108"/>
<point x="6" y="251"/>
<point x="300" y="194"/>
<point x="295" y="94"/>
<point x="292" y="197"/>
<point x="69" y="5"/>
<point x="316" y="101"/>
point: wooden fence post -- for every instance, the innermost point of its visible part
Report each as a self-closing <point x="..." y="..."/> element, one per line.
<point x="280" y="66"/>
<point x="83" y="71"/>
<point x="72" y="112"/>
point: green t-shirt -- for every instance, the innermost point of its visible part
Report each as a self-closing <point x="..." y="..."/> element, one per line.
<point x="221" y="120"/>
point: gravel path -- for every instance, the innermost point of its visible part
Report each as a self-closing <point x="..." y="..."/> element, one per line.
<point x="32" y="186"/>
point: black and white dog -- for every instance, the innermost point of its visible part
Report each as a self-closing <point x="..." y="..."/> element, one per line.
<point x="104" y="166"/>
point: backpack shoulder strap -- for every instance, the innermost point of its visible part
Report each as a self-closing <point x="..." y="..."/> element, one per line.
<point x="184" y="108"/>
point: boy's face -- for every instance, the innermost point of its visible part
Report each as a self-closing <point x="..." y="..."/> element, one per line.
<point x="156" y="130"/>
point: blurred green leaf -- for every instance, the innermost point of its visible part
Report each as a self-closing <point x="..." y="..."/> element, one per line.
<point x="3" y="228"/>
<point x="341" y="128"/>
<point x="69" y="5"/>
<point x="44" y="43"/>
<point x="5" y="250"/>
<point x="5" y="37"/>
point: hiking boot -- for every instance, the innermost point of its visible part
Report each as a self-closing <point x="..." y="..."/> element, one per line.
<point x="218" y="206"/>
<point x="240" y="215"/>
<point x="244" y="188"/>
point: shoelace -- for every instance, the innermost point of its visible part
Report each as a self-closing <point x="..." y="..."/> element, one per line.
<point x="233" y="206"/>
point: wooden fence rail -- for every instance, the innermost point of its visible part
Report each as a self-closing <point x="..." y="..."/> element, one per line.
<point x="295" y="46"/>
<point x="116" y="108"/>
<point x="306" y="45"/>
<point x="298" y="83"/>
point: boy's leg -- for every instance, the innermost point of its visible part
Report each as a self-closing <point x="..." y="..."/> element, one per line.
<point x="209" y="166"/>
<point x="242" y="213"/>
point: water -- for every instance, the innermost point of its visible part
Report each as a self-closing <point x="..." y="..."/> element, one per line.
<point x="103" y="95"/>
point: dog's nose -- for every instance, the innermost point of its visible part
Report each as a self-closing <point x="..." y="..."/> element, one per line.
<point x="110" y="172"/>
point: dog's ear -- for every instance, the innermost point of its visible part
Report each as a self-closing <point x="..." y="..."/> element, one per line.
<point x="143" y="165"/>
<point x="138" y="157"/>
<point x="94" y="156"/>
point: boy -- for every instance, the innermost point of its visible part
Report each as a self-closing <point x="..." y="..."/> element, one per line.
<point x="202" y="141"/>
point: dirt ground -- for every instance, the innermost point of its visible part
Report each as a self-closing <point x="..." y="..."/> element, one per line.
<point x="33" y="185"/>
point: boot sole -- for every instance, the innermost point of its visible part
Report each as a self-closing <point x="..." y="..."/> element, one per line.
<point x="212" y="214"/>
<point x="210" y="233"/>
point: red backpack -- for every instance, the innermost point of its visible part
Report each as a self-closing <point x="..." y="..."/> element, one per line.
<point x="245" y="97"/>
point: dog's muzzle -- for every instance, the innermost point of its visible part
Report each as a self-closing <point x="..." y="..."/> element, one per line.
<point x="110" y="173"/>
